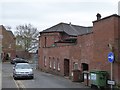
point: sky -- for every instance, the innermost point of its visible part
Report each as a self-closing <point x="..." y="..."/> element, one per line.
<point x="43" y="14"/>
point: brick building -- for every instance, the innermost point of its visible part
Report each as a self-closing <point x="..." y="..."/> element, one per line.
<point x="65" y="47"/>
<point x="8" y="43"/>
<point x="106" y="33"/>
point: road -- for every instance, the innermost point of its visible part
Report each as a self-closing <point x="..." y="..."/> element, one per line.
<point x="41" y="80"/>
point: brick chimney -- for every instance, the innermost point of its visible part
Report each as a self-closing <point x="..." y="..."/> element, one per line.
<point x="98" y="16"/>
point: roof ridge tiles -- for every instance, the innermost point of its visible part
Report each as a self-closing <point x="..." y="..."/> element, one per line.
<point x="70" y="29"/>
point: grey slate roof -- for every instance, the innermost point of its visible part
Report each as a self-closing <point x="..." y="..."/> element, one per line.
<point x="70" y="29"/>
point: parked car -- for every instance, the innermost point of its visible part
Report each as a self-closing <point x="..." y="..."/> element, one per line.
<point x="18" y="60"/>
<point x="22" y="70"/>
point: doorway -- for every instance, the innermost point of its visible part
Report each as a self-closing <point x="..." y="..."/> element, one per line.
<point x="85" y="67"/>
<point x="66" y="67"/>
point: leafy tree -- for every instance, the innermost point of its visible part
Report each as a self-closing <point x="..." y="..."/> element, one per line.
<point x="26" y="37"/>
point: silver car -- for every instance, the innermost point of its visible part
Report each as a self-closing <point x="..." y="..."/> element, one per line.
<point x="23" y="70"/>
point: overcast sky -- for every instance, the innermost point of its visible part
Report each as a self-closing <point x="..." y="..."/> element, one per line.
<point x="46" y="13"/>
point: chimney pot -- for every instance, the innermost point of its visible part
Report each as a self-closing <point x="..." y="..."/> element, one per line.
<point x="98" y="16"/>
<point x="69" y="23"/>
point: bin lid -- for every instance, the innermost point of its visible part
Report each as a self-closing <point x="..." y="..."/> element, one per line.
<point x="85" y="72"/>
<point x="100" y="71"/>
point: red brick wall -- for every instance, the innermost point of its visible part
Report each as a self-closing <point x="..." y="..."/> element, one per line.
<point x="106" y="31"/>
<point x="50" y="39"/>
<point x="91" y="49"/>
<point x="85" y="42"/>
<point x="8" y="42"/>
<point x="75" y="53"/>
<point x="53" y="54"/>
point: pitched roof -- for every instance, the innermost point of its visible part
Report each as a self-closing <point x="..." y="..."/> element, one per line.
<point x="2" y="27"/>
<point x="11" y="33"/>
<point x="70" y="29"/>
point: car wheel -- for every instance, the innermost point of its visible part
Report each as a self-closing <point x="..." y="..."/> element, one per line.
<point x="32" y="77"/>
<point x="15" y="78"/>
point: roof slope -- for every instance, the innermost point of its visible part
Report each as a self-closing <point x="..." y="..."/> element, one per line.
<point x="70" y="29"/>
<point x="11" y="34"/>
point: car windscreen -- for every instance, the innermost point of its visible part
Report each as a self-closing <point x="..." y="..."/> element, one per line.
<point x="23" y="67"/>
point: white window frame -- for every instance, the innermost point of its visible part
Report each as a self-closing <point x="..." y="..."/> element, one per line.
<point x="54" y="65"/>
<point x="45" y="61"/>
<point x="50" y="64"/>
<point x="58" y="66"/>
<point x="75" y="66"/>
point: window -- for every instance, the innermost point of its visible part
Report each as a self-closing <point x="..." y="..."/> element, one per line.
<point x="9" y="54"/>
<point x="58" y="66"/>
<point x="50" y="64"/>
<point x="85" y="66"/>
<point x="45" y="41"/>
<point x="10" y="45"/>
<point x="54" y="65"/>
<point x="45" y="61"/>
<point x="75" y="66"/>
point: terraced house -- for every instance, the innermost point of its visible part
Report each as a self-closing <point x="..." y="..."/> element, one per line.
<point x="65" y="47"/>
<point x="8" y="44"/>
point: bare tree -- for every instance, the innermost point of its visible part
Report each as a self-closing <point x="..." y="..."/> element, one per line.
<point x="8" y="27"/>
<point x="26" y="37"/>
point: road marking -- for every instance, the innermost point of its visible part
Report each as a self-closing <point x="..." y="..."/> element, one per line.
<point x="16" y="84"/>
<point x="19" y="84"/>
<point x="14" y="81"/>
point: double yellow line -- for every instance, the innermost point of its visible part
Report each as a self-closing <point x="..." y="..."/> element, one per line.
<point x="19" y="84"/>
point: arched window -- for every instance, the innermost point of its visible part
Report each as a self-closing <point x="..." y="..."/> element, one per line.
<point x="45" y="61"/>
